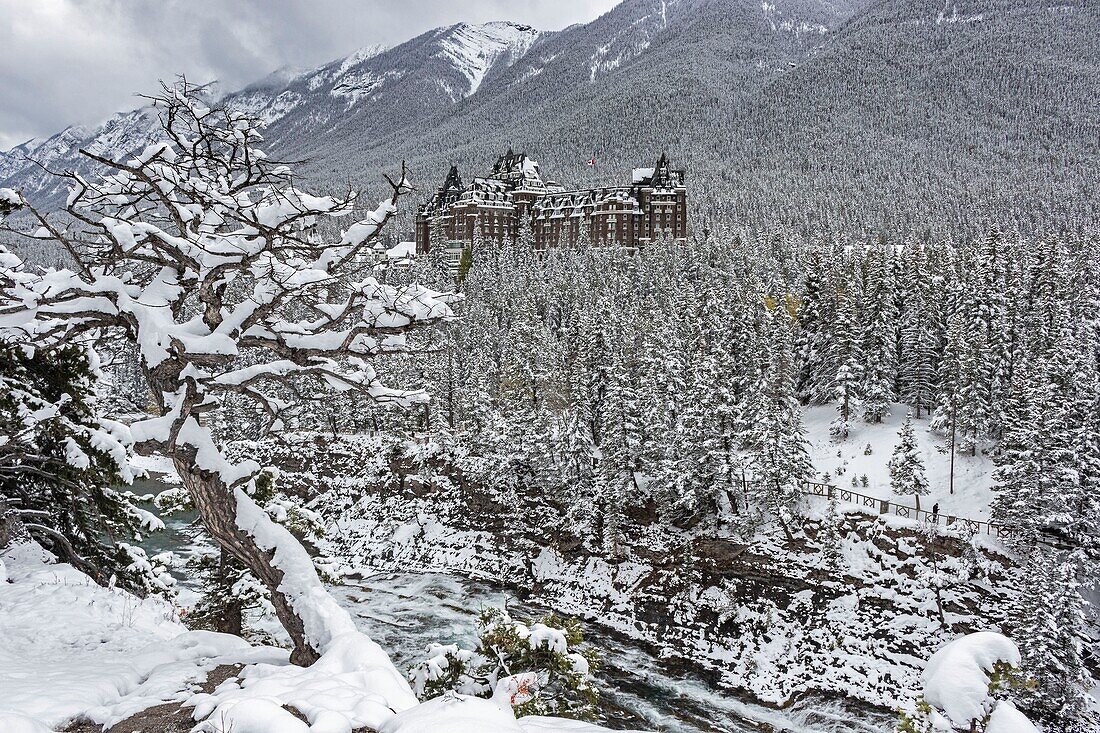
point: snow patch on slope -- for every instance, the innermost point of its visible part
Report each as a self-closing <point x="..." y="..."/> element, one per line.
<point x="950" y="15"/>
<point x="789" y="25"/>
<point x="629" y="43"/>
<point x="475" y="49"/>
<point x="363" y="84"/>
<point x="336" y="69"/>
<point x="847" y="460"/>
<point x="363" y="54"/>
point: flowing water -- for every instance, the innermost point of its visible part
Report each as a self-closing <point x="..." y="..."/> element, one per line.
<point x="405" y="612"/>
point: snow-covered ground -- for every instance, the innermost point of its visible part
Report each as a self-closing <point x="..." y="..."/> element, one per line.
<point x="72" y="648"/>
<point x="973" y="488"/>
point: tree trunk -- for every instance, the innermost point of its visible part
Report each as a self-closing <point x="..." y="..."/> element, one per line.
<point x="218" y="509"/>
<point x="230" y="618"/>
<point x="11" y="528"/>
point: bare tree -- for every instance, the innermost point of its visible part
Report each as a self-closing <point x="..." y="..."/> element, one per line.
<point x="203" y="253"/>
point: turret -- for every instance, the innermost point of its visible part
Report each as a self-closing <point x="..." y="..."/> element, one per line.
<point x="453" y="181"/>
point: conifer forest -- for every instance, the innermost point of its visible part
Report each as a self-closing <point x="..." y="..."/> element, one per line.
<point x="698" y="366"/>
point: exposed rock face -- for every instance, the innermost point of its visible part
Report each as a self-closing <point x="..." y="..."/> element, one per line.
<point x="762" y="614"/>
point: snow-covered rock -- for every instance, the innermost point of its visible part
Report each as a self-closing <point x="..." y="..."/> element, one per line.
<point x="1005" y="718"/>
<point x="956" y="679"/>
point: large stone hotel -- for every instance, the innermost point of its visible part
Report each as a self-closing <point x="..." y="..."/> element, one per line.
<point x="652" y="206"/>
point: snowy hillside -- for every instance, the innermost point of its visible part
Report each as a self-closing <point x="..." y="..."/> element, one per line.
<point x="847" y="462"/>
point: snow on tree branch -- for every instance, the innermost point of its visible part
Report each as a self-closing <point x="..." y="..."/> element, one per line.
<point x="211" y="259"/>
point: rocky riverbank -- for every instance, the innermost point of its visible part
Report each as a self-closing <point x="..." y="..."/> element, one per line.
<point x="845" y="604"/>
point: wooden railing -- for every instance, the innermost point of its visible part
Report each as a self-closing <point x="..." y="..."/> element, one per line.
<point x="885" y="506"/>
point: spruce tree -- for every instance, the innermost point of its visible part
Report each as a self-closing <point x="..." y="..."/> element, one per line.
<point x="60" y="463"/>
<point x="906" y="466"/>
<point x="917" y="339"/>
<point x="812" y="337"/>
<point x="1048" y="620"/>
<point x="777" y="443"/>
<point x="879" y="337"/>
<point x="848" y="358"/>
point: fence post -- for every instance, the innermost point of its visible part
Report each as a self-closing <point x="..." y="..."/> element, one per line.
<point x="883" y="506"/>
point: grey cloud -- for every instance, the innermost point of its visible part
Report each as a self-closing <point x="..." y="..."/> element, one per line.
<point x="78" y="61"/>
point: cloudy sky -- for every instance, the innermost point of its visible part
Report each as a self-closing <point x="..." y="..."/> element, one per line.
<point x="78" y="61"/>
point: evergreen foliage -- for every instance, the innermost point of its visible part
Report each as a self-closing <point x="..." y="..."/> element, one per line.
<point x="906" y="466"/>
<point x="59" y="463"/>
<point x="539" y="669"/>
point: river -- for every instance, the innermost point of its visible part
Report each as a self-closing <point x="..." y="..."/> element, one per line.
<point x="405" y="612"/>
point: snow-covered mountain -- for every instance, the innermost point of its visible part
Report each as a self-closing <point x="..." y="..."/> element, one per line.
<point x="859" y="114"/>
<point x="376" y="99"/>
<point x="372" y="91"/>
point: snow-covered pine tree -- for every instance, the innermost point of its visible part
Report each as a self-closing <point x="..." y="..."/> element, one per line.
<point x="847" y="379"/>
<point x="620" y="449"/>
<point x="917" y="338"/>
<point x="433" y="268"/>
<point x="59" y="462"/>
<point x="776" y="442"/>
<point x="714" y="387"/>
<point x="539" y="668"/>
<point x="672" y="358"/>
<point x="530" y="388"/>
<point x="987" y="306"/>
<point x="879" y="338"/>
<point x="814" y="328"/>
<point x="906" y="466"/>
<point x="1048" y="620"/>
<point x="961" y="410"/>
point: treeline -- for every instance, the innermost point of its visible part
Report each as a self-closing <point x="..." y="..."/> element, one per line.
<point x="593" y="390"/>
<point x="619" y="378"/>
<point x="618" y="387"/>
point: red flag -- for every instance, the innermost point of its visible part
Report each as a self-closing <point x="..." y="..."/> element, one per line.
<point x="592" y="162"/>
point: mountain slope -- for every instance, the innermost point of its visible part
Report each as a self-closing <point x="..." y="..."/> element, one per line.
<point x="844" y="115"/>
<point x="366" y="96"/>
<point x="622" y="88"/>
<point x="896" y="115"/>
<point x="370" y="93"/>
<point x="917" y="113"/>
